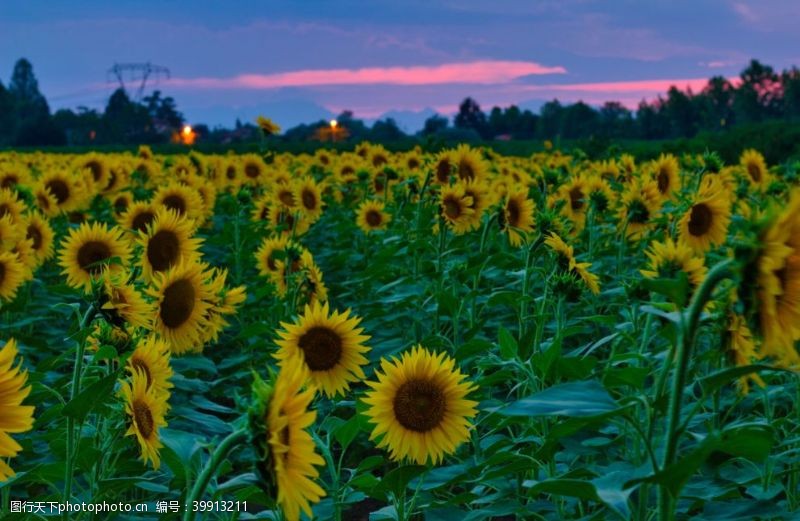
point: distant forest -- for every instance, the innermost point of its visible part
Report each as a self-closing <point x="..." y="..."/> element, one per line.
<point x="760" y="95"/>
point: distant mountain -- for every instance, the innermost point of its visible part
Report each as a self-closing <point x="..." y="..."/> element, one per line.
<point x="286" y="113"/>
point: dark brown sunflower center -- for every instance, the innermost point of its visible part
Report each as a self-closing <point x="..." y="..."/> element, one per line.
<point x="2" y="273"/>
<point x="144" y="419"/>
<point x="178" y="303"/>
<point x="142" y="220"/>
<point x="452" y="208"/>
<point x="251" y="171"/>
<point x="374" y="218"/>
<point x="754" y="171"/>
<point x="663" y="181"/>
<point x="286" y="197"/>
<point x="91" y="256"/>
<point x="59" y="189"/>
<point x="139" y="365"/>
<point x="230" y="173"/>
<point x="419" y="405"/>
<point x="379" y="160"/>
<point x="309" y="200"/>
<point x="513" y="211"/>
<point x="163" y="250"/>
<point x="443" y="171"/>
<point x="9" y="181"/>
<point x="96" y="169"/>
<point x="175" y="202"/>
<point x="4" y="210"/>
<point x="322" y="348"/>
<point x="35" y="236"/>
<point x="576" y="198"/>
<point x="43" y="201"/>
<point x="120" y="204"/>
<point x="465" y="170"/>
<point x="700" y="220"/>
<point x="413" y="163"/>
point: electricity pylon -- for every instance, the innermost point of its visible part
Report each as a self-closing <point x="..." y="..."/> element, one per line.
<point x="137" y="72"/>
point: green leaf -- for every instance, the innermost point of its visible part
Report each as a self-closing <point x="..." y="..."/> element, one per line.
<point x="93" y="396"/>
<point x="583" y="399"/>
<point x="676" y="289"/>
<point x="715" y="381"/>
<point x="566" y="487"/>
<point x="752" y="441"/>
<point x="396" y="480"/>
<point x="508" y="345"/>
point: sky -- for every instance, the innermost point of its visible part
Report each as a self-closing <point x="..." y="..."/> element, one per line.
<point x="301" y="60"/>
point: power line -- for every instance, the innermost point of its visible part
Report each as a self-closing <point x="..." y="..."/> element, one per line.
<point x="137" y="73"/>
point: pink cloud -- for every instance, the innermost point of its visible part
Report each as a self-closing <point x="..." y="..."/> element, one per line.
<point x="478" y="72"/>
<point x="614" y="87"/>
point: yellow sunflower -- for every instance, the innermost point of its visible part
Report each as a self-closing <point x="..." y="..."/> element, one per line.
<point x="123" y="303"/>
<point x="138" y="216"/>
<point x="181" y="198"/>
<point x="151" y="357"/>
<point x="443" y="167"/>
<point x="755" y="166"/>
<point x="668" y="258"/>
<point x="456" y="208"/>
<point x="329" y="344"/>
<point x="14" y="417"/>
<point x="516" y="216"/>
<point x="253" y="168"/>
<point x="567" y="263"/>
<point x="280" y="418"/>
<point x="469" y="164"/>
<point x="40" y="235"/>
<point x="705" y="223"/>
<point x="9" y="233"/>
<point x="181" y="304"/>
<point x="309" y="197"/>
<point x="10" y="205"/>
<point x="145" y="407"/>
<point x="63" y="189"/>
<point x="478" y="191"/>
<point x="371" y="216"/>
<point x="575" y="195"/>
<point x="743" y="350"/>
<point x="91" y="250"/>
<point x="267" y="126"/>
<point x="639" y="205"/>
<point x="419" y="406"/>
<point x="665" y="174"/>
<point x="269" y="251"/>
<point x="167" y="242"/>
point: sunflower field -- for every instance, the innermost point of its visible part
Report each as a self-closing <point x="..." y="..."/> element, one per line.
<point x="420" y="335"/>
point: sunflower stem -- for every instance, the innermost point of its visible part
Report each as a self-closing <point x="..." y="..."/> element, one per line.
<point x="217" y="457"/>
<point x="685" y="343"/>
<point x="77" y="370"/>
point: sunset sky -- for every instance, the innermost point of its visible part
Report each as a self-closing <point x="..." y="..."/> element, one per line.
<point x="297" y="61"/>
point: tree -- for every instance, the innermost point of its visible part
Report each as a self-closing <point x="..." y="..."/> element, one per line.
<point x="759" y="95"/>
<point x="680" y="113"/>
<point x="470" y="116"/>
<point x="615" y="120"/>
<point x="30" y="104"/>
<point x="7" y="116"/>
<point x="386" y="130"/>
<point x="715" y="104"/>
<point x="550" y="119"/>
<point x="434" y="125"/>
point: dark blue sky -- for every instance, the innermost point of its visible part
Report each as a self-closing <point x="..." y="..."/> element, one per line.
<point x="300" y="60"/>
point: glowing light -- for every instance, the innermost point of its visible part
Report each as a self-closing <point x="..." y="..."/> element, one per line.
<point x="334" y="123"/>
<point x="187" y="130"/>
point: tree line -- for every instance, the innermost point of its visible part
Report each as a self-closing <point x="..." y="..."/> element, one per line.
<point x="759" y="94"/>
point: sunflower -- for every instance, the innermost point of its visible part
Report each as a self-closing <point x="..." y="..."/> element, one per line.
<point x="254" y="169"/>
<point x="372" y="216"/>
<point x="181" y="198"/>
<point x="665" y="174"/>
<point x="123" y="303"/>
<point x="575" y="195"/>
<point x="9" y="233"/>
<point x="601" y="197"/>
<point x="260" y="212"/>
<point x="223" y="301"/>
<point x="151" y="357"/>
<point x="516" y="216"/>
<point x="138" y="216"/>
<point x="419" y="406"/>
<point x="456" y="208"/>
<point x="568" y="265"/>
<point x="181" y="304"/>
<point x="310" y="283"/>
<point x="639" y="206"/>
<point x="480" y="194"/>
<point x="13" y="177"/>
<point x="287" y="221"/>
<point x="469" y="164"/>
<point x="443" y="168"/>
<point x="91" y="250"/>
<point x="329" y="344"/>
<point x="279" y="419"/>
<point x="14" y="417"/>
<point x="743" y="350"/>
<point x="267" y="126"/>
<point x="705" y="223"/>
<point x="668" y="258"/>
<point x="309" y="197"/>
<point x="756" y="168"/>
<point x="778" y="280"/>
<point x="269" y="251"/>
<point x="168" y="240"/>
<point x="284" y="194"/>
<point x="120" y="202"/>
<point x="40" y="235"/>
<point x="45" y="201"/>
<point x="146" y="407"/>
<point x="63" y="189"/>
<point x="95" y="164"/>
<point x="10" y="205"/>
